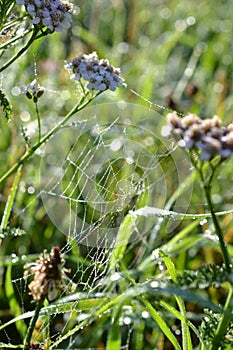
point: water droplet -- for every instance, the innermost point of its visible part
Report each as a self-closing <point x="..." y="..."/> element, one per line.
<point x="25" y="116"/>
<point x="116" y="145"/>
<point x="115" y="277"/>
<point x="202" y="222"/>
<point x="82" y="317"/>
<point x="149" y="141"/>
<point x="155" y="253"/>
<point x="14" y="258"/>
<point x="191" y="20"/>
<point x="154" y="284"/>
<point x="96" y="130"/>
<point x="145" y="314"/>
<point x="188" y="72"/>
<point x="127" y="320"/>
<point x="122" y="47"/>
<point x="31" y="190"/>
<point x="129" y="160"/>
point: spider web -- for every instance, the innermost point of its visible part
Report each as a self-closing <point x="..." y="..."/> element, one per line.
<point x="108" y="161"/>
<point x="104" y="169"/>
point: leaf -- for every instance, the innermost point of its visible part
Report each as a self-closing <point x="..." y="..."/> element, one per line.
<point x="169" y="264"/>
<point x="5" y="105"/>
<point x="186" y="337"/>
<point x="178" y="315"/>
<point x="114" y="333"/>
<point x="124" y="233"/>
<point x="62" y="307"/>
<point x="162" y="325"/>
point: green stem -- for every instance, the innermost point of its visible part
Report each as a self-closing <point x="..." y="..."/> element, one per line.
<point x="33" y="37"/>
<point x="218" y="230"/>
<point x="38" y="120"/>
<point x="206" y="181"/>
<point x="32" y="324"/>
<point x="224" y="322"/>
<point x="78" y="107"/>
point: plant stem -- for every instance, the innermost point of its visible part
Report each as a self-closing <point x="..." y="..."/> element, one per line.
<point x="218" y="230"/>
<point x="38" y="120"/>
<point x="78" y="107"/>
<point x="31" y="327"/>
<point x="224" y="322"/>
<point x="225" y="318"/>
<point x="207" y="190"/>
<point x="33" y="37"/>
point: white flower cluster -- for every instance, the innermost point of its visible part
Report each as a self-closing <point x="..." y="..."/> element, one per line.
<point x="99" y="73"/>
<point x="53" y="14"/>
<point x="205" y="135"/>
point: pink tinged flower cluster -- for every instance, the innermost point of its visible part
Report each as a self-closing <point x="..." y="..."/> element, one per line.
<point x="53" y="14"/>
<point x="99" y="74"/>
<point x="206" y="135"/>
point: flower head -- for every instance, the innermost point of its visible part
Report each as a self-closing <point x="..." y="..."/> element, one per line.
<point x="207" y="135"/>
<point x="99" y="74"/>
<point x="33" y="90"/>
<point x="48" y="273"/>
<point x="54" y="14"/>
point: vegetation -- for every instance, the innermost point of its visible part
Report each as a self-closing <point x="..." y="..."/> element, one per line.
<point x="112" y="235"/>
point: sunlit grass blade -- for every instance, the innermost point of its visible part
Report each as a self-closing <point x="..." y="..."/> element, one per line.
<point x="179" y="316"/>
<point x="186" y="337"/>
<point x="123" y="236"/>
<point x="162" y="325"/>
<point x="10" y="200"/>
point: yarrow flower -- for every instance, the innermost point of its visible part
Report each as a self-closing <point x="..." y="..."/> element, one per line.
<point x="54" y="14"/>
<point x="33" y="90"/>
<point x="205" y="135"/>
<point x="48" y="273"/>
<point x="98" y="72"/>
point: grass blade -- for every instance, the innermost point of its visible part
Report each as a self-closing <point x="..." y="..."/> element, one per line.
<point x="10" y="200"/>
<point x="162" y="325"/>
